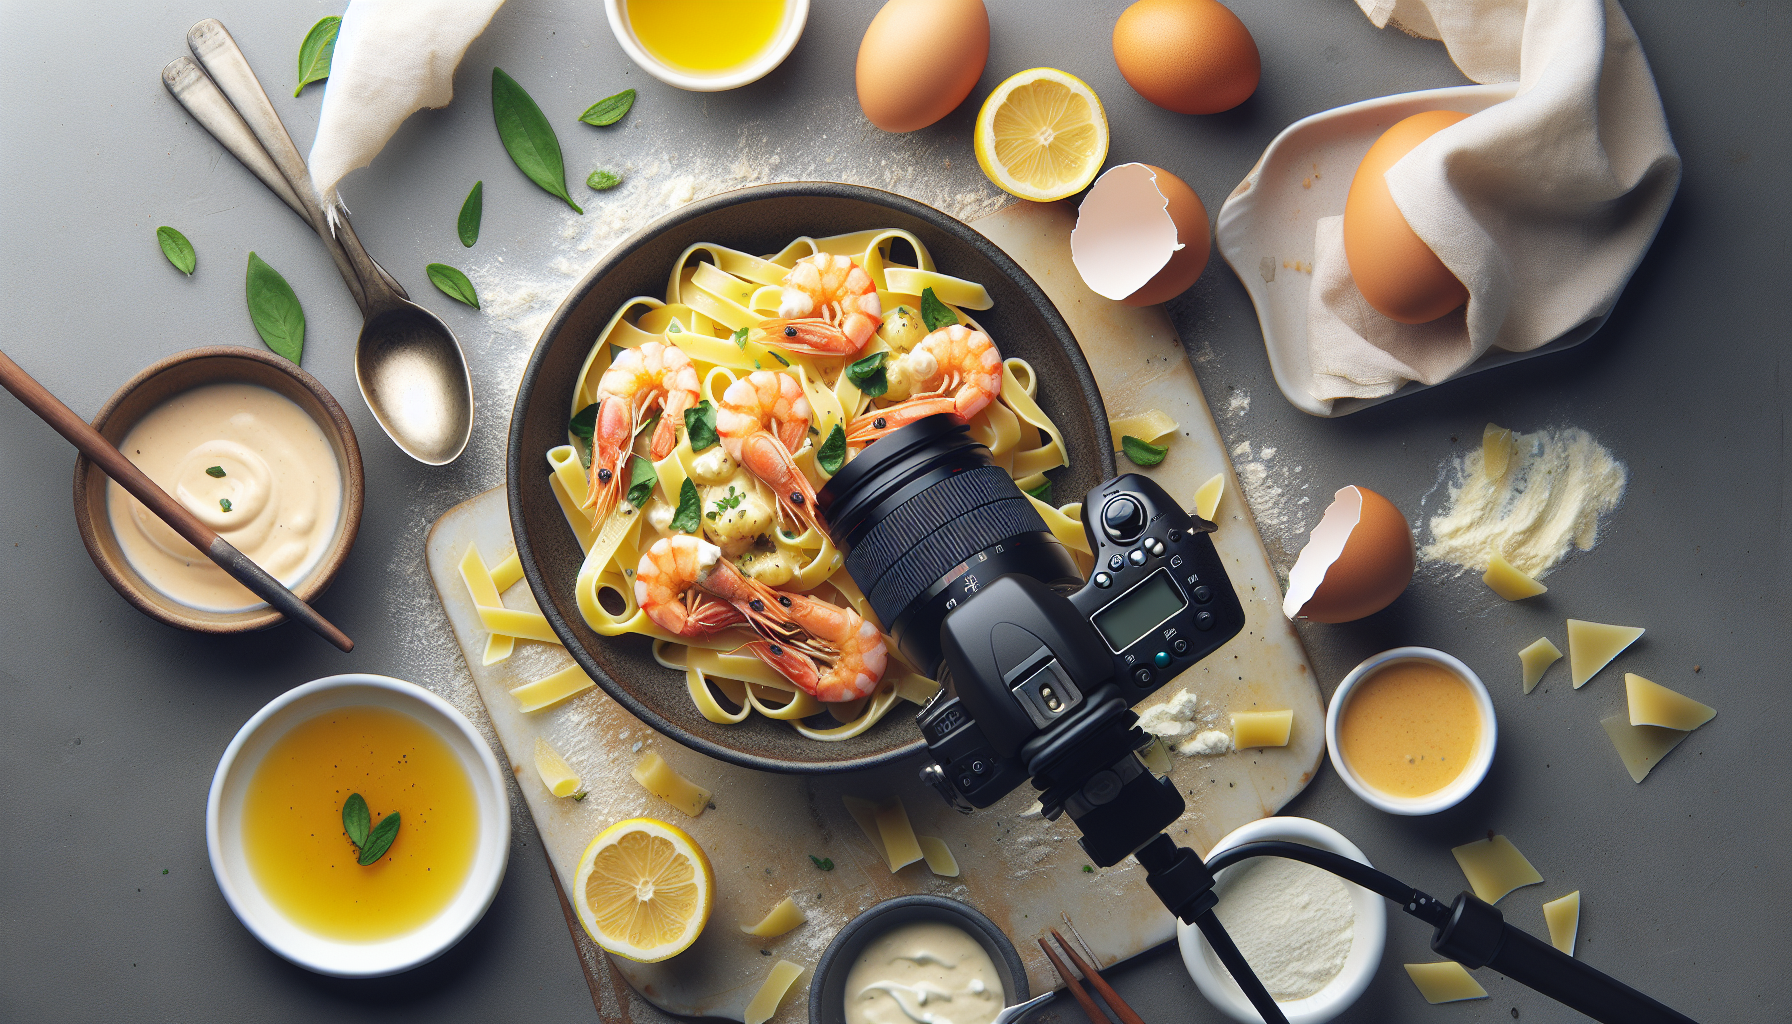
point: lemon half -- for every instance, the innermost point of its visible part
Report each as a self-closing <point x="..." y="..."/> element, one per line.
<point x="1042" y="135"/>
<point x="644" y="890"/>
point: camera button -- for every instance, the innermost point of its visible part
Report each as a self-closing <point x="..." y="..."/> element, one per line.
<point x="1160" y="659"/>
<point x="1123" y="518"/>
<point x="1117" y="563"/>
<point x="1143" y="676"/>
<point x="1180" y="647"/>
<point x="1103" y="580"/>
<point x="1202" y="595"/>
<point x="977" y="767"/>
<point x="1136" y="556"/>
<point x="1203" y="620"/>
<point x="1155" y="546"/>
<point x="1175" y="535"/>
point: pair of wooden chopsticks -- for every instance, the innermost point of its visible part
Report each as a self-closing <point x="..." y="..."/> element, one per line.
<point x="1093" y="977"/>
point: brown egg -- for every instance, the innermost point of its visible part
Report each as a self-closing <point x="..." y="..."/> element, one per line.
<point x="1127" y="231"/>
<point x="1395" y="270"/>
<point x="1191" y="230"/>
<point x="1190" y="56"/>
<point x="920" y="59"/>
<point x="1358" y="560"/>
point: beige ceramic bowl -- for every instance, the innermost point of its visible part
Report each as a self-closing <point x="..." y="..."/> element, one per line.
<point x="217" y="364"/>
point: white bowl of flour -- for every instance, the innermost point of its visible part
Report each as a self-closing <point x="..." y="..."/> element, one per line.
<point x="1313" y="939"/>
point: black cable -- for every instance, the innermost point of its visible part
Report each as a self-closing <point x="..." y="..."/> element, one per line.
<point x="1239" y="968"/>
<point x="1413" y="901"/>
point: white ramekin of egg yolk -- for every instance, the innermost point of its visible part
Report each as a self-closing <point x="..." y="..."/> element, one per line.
<point x="1411" y="731"/>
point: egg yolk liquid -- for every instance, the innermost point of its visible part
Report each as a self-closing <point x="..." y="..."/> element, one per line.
<point x="302" y="858"/>
<point x="1410" y="728"/>
<point x="704" y="35"/>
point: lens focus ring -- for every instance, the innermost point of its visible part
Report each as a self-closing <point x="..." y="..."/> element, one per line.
<point x="909" y="524"/>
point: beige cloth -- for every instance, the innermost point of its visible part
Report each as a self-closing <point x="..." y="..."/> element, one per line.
<point x="1541" y="205"/>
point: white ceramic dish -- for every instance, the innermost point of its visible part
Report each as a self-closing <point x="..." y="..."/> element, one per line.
<point x="223" y="828"/>
<point x="1367" y="943"/>
<point x="796" y="13"/>
<point x="1464" y="784"/>
<point x="1271" y="216"/>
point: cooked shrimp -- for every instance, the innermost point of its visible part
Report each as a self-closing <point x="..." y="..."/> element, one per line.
<point x="954" y="369"/>
<point x="763" y="420"/>
<point x="830" y="652"/>
<point x="828" y="307"/>
<point x="638" y="381"/>
<point x="670" y="585"/>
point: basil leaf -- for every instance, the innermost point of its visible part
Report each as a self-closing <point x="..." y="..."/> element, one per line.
<point x="355" y="820"/>
<point x="315" y="52"/>
<point x="214" y="472"/>
<point x="824" y="863"/>
<point x="740" y="339"/>
<point x="869" y="376"/>
<point x="689" y="517"/>
<point x="528" y="137"/>
<point x="602" y="180"/>
<point x="1142" y="453"/>
<point x="700" y="425"/>
<point x="934" y="313"/>
<point x="453" y="283"/>
<point x="832" y="453"/>
<point x="178" y="250"/>
<point x="1043" y="492"/>
<point x="584" y="425"/>
<point x="379" y="840"/>
<point x="275" y="309"/>
<point x="224" y="503"/>
<point x="610" y="109"/>
<point x="641" y="478"/>
<point x="780" y="359"/>
<point x="471" y="212"/>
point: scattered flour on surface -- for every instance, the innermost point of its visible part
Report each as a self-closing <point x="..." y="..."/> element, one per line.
<point x="1293" y="922"/>
<point x="1560" y="484"/>
<point x="1178" y="719"/>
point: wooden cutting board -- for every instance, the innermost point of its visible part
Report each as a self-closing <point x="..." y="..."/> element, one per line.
<point x="1018" y="868"/>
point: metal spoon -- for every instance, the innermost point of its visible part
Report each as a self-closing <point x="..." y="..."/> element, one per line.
<point x="409" y="366"/>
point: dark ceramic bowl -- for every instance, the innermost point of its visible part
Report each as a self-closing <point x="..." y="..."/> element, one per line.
<point x="827" y="991"/>
<point x="762" y="220"/>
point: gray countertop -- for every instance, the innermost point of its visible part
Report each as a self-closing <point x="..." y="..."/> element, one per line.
<point x="111" y="724"/>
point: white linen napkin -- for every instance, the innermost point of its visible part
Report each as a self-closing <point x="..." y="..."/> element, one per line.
<point x="392" y="59"/>
<point x="1541" y="205"/>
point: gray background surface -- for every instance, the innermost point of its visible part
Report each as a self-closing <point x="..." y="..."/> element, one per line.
<point x="110" y="724"/>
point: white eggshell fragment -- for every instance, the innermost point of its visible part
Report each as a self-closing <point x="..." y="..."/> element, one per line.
<point x="1324" y="546"/>
<point x="1124" y="233"/>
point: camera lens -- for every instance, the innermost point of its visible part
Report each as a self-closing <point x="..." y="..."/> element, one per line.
<point x="926" y="517"/>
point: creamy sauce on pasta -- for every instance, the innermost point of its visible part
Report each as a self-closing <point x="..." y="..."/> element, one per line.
<point x="250" y="464"/>
<point x="927" y="972"/>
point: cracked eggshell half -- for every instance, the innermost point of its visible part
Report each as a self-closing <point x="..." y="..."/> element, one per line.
<point x="1357" y="561"/>
<point x="1141" y="235"/>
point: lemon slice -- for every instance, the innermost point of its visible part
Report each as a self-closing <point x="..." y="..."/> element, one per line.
<point x="1042" y="135"/>
<point x="644" y="890"/>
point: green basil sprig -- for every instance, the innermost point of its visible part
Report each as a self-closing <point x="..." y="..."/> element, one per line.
<point x="470" y="213"/>
<point x="374" y="841"/>
<point x="832" y="454"/>
<point x="356" y="820"/>
<point x="315" y="52"/>
<point x="178" y="250"/>
<point x="610" y="109"/>
<point x="700" y="424"/>
<point x="274" y="308"/>
<point x="641" y="478"/>
<point x="689" y="517"/>
<point x="528" y="137"/>
<point x="453" y="283"/>
<point x="869" y="375"/>
<point x="1142" y="453"/>
<point x="934" y="313"/>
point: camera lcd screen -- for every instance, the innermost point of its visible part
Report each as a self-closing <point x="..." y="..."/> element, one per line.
<point x="1139" y="611"/>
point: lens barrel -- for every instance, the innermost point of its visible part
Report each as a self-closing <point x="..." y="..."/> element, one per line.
<point x="923" y="514"/>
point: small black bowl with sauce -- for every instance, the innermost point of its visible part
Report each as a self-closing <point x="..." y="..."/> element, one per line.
<point x="827" y="992"/>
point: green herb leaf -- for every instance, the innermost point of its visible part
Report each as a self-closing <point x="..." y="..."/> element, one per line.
<point x="584" y="424"/>
<point x="224" y="503"/>
<point x="641" y="478"/>
<point x="934" y="313"/>
<point x="453" y="283"/>
<point x="832" y="454"/>
<point x="700" y="424"/>
<point x="688" y="518"/>
<point x="780" y="359"/>
<point x="1142" y="453"/>
<point x="674" y="328"/>
<point x="275" y="309"/>
<point x="610" y="109"/>
<point x="528" y="137"/>
<point x="602" y="180"/>
<point x="471" y="212"/>
<point x="379" y="840"/>
<point x="178" y="250"/>
<point x="740" y="339"/>
<point x="869" y="376"/>
<point x="728" y="503"/>
<point x="581" y="795"/>
<point x="824" y="863"/>
<point x="1043" y="492"/>
<point x="315" y="52"/>
<point x="214" y="471"/>
<point x="355" y="819"/>
<point x="1088" y="870"/>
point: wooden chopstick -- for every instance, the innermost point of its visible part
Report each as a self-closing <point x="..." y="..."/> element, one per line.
<point x="1076" y="989"/>
<point x="1093" y="977"/>
<point x="113" y="463"/>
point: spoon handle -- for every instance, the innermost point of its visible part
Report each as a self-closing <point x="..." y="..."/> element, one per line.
<point x="224" y="62"/>
<point x="113" y="463"/>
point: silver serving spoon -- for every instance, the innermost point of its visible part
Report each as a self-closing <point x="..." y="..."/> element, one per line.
<point x="408" y="364"/>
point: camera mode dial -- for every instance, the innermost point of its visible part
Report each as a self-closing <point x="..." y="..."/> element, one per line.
<point x="1123" y="518"/>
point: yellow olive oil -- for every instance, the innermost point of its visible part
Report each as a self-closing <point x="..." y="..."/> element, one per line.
<point x="705" y="35"/>
<point x="302" y="858"/>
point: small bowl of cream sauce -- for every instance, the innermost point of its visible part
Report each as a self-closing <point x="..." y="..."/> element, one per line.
<point x="915" y="960"/>
<point x="253" y="446"/>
